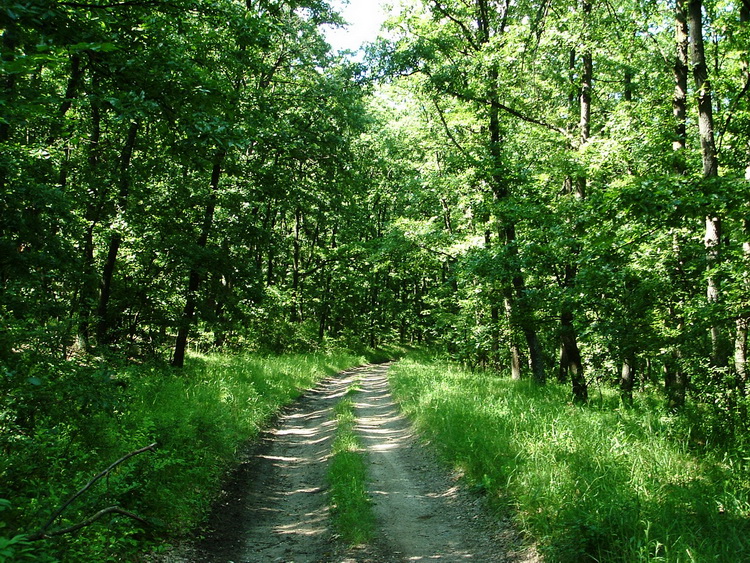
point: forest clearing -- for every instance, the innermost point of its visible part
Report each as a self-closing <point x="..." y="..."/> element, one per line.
<point x="538" y="210"/>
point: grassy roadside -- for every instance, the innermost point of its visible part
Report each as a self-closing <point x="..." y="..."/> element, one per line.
<point x="597" y="483"/>
<point x="351" y="507"/>
<point x="87" y="418"/>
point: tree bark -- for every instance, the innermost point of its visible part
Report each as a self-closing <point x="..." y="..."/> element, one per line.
<point x="104" y="322"/>
<point x="742" y="324"/>
<point x="295" y="312"/>
<point x="680" y="72"/>
<point x="712" y="239"/>
<point x="675" y="378"/>
<point x="743" y="320"/>
<point x="569" y="342"/>
<point x="515" y="354"/>
<point x="10" y="42"/>
<point x="88" y="289"/>
<point x="577" y="188"/>
<point x="517" y="308"/>
<point x="194" y="279"/>
<point x="627" y="378"/>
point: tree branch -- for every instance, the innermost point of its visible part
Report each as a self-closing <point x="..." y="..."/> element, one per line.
<point x="732" y="108"/>
<point x="41" y="534"/>
<point x="465" y="30"/>
<point x="448" y="131"/>
<point x="87" y="486"/>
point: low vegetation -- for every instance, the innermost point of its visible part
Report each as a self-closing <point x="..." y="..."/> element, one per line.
<point x="77" y="421"/>
<point x="601" y="482"/>
<point x="351" y="505"/>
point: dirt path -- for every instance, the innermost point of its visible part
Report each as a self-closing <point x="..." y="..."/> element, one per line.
<point x="275" y="507"/>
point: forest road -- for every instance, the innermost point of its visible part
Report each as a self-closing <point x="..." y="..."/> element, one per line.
<point x="274" y="508"/>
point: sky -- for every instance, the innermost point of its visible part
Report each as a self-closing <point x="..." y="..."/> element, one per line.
<point x="364" y="17"/>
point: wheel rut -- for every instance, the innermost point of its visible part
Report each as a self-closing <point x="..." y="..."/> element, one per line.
<point x="275" y="506"/>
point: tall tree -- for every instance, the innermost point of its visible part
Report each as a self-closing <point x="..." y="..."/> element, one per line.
<point x="713" y="234"/>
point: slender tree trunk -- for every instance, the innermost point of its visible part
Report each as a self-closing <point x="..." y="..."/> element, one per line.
<point x="740" y="351"/>
<point x="495" y="334"/>
<point x="71" y="91"/>
<point x="680" y="72"/>
<point x="563" y="365"/>
<point x="675" y="381"/>
<point x="712" y="237"/>
<point x="515" y="354"/>
<point x="675" y="377"/>
<point x="517" y="309"/>
<point x="743" y="320"/>
<point x="104" y="323"/>
<point x="88" y="289"/>
<point x="577" y="188"/>
<point x="10" y="41"/>
<point x="295" y="313"/>
<point x="194" y="279"/>
<point x="569" y="341"/>
<point x="627" y="378"/>
<point x="526" y="319"/>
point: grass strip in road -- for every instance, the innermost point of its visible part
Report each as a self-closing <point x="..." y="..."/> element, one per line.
<point x="351" y="507"/>
<point x="601" y="482"/>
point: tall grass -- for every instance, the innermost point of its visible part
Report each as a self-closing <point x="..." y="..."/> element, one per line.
<point x="592" y="483"/>
<point x="199" y="417"/>
<point x="351" y="506"/>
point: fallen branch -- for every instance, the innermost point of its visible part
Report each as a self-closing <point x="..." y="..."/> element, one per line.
<point x="42" y="533"/>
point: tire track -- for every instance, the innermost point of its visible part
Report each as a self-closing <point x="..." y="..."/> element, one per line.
<point x="275" y="508"/>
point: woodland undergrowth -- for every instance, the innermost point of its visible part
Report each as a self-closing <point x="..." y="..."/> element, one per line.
<point x="599" y="482"/>
<point x="69" y="422"/>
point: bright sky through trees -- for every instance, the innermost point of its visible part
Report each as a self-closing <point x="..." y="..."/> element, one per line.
<point x="364" y="17"/>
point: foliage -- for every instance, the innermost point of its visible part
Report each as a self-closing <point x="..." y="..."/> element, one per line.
<point x="602" y="483"/>
<point x="200" y="418"/>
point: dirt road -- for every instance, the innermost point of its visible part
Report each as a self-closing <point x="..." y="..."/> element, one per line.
<point x="275" y="507"/>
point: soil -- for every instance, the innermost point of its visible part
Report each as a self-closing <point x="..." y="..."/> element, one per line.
<point x="274" y="506"/>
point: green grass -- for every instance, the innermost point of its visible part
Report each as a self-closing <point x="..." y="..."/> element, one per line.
<point x="83" y="420"/>
<point x="595" y="483"/>
<point x="351" y="506"/>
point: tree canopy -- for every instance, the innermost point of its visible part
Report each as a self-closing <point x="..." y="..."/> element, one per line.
<point x="553" y="189"/>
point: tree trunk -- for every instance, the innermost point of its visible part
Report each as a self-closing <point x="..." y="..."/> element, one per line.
<point x="10" y="41"/>
<point x="569" y="342"/>
<point x="517" y="308"/>
<point x="575" y="364"/>
<point x="71" y="90"/>
<point x="570" y="357"/>
<point x="743" y="320"/>
<point x="88" y="288"/>
<point x="627" y="378"/>
<point x="563" y="365"/>
<point x="104" y="323"/>
<point x="712" y="237"/>
<point x="295" y="312"/>
<point x="679" y="101"/>
<point x="515" y="354"/>
<point x="740" y="351"/>
<point x="526" y="319"/>
<point x="194" y="280"/>
<point x="675" y="378"/>
<point x="675" y="385"/>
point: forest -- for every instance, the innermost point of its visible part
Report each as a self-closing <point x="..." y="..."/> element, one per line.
<point x="550" y="191"/>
